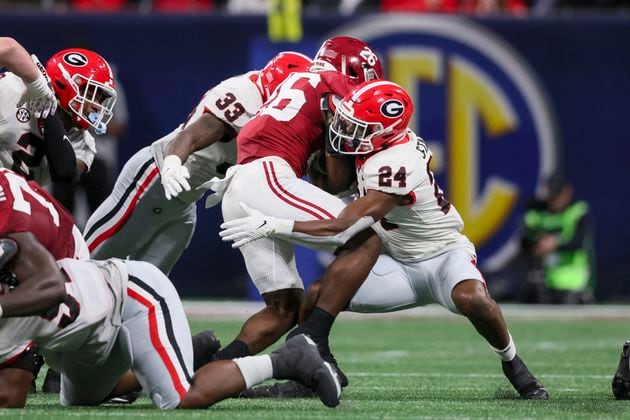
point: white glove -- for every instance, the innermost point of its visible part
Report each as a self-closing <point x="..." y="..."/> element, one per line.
<point x="255" y="226"/>
<point x="39" y="97"/>
<point x="174" y="176"/>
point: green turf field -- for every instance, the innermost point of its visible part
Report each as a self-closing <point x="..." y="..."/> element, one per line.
<point x="414" y="368"/>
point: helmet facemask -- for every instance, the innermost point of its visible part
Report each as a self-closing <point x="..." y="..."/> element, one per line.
<point x="90" y="95"/>
<point x="352" y="136"/>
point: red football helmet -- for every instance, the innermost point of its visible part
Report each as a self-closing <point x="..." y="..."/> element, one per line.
<point x="350" y="56"/>
<point x="373" y="115"/>
<point x="84" y="85"/>
<point x="280" y="67"/>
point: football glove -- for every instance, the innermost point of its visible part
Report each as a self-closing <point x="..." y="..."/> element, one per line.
<point x="252" y="227"/>
<point x="39" y="97"/>
<point x="174" y="176"/>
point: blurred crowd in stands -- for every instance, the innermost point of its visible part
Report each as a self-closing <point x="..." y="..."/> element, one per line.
<point x="315" y="7"/>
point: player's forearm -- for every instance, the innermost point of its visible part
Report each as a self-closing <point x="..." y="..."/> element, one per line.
<point x="328" y="234"/>
<point x="340" y="173"/>
<point x="203" y="132"/>
<point x="15" y="58"/>
<point x="36" y="300"/>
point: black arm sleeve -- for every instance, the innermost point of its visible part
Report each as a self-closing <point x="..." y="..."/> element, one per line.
<point x="59" y="153"/>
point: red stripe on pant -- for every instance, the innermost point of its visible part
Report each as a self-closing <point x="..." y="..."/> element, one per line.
<point x="157" y="343"/>
<point x="119" y="224"/>
<point x="277" y="189"/>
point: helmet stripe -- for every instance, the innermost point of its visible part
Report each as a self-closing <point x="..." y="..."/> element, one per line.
<point x="370" y="86"/>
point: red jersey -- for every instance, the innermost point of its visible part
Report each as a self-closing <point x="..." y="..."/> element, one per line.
<point x="291" y="124"/>
<point x="26" y="207"/>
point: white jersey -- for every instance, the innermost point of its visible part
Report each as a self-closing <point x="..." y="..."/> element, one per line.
<point x="21" y="136"/>
<point x="89" y="319"/>
<point x="428" y="225"/>
<point x="234" y="101"/>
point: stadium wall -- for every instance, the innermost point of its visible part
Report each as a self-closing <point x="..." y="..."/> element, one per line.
<point x="503" y="102"/>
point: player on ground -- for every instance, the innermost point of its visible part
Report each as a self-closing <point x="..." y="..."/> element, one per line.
<point x="273" y="151"/>
<point x="95" y="320"/>
<point x="37" y="142"/>
<point x="151" y="213"/>
<point x="427" y="259"/>
<point x="26" y="207"/>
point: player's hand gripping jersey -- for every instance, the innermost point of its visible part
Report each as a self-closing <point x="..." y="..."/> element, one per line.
<point x="26" y="207"/>
<point x="88" y="320"/>
<point x="22" y="139"/>
<point x="233" y="101"/>
<point x="428" y="224"/>
<point x="289" y="125"/>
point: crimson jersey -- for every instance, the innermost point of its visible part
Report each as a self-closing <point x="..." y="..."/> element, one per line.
<point x="290" y="125"/>
<point x="26" y="207"/>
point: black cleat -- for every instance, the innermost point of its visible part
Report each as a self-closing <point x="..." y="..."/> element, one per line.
<point x="343" y="379"/>
<point x="52" y="382"/>
<point x="621" y="380"/>
<point x="280" y="390"/>
<point x="526" y="384"/>
<point x="126" y="399"/>
<point x="205" y="347"/>
<point x="299" y="359"/>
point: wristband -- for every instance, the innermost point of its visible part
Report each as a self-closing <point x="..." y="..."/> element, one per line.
<point x="39" y="85"/>
<point x="0" y="311"/>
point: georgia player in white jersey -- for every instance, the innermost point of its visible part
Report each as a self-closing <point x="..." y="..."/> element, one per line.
<point x="154" y="221"/>
<point x="94" y="320"/>
<point x="427" y="259"/>
<point x="40" y="144"/>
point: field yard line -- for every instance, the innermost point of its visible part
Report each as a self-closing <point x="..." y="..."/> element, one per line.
<point x="470" y="375"/>
<point x="241" y="310"/>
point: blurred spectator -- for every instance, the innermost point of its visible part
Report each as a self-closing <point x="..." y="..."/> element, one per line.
<point x="98" y="182"/>
<point x="558" y="239"/>
<point x="181" y="6"/>
<point x="99" y="5"/>
<point x="256" y="7"/>
<point x="478" y="7"/>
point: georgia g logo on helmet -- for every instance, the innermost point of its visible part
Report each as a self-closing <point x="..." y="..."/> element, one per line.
<point x="392" y="108"/>
<point x="75" y="59"/>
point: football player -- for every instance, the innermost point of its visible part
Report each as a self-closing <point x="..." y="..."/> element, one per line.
<point x="95" y="320"/>
<point x="37" y="142"/>
<point x="427" y="259"/>
<point x="151" y="213"/>
<point x="273" y="151"/>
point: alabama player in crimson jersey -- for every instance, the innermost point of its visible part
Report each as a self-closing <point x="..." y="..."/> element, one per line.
<point x="273" y="150"/>
<point x="95" y="320"/>
<point x="26" y="207"/>
<point x="427" y="259"/>
<point x="151" y="213"/>
<point x="37" y="142"/>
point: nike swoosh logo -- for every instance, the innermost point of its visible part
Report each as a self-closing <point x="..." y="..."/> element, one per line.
<point x="263" y="224"/>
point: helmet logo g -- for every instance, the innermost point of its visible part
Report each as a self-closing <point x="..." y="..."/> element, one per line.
<point x="392" y="108"/>
<point x="75" y="59"/>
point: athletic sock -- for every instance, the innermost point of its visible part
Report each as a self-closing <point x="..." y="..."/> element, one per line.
<point x="318" y="324"/>
<point x="255" y="369"/>
<point x="508" y="353"/>
<point x="236" y="348"/>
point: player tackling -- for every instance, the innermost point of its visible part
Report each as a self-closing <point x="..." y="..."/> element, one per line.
<point x="427" y="259"/>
